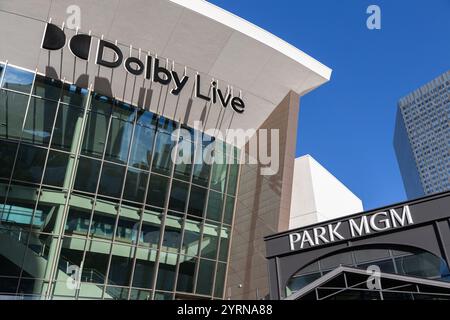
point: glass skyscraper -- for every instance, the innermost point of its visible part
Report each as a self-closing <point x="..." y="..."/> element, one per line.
<point x="89" y="192"/>
<point x="422" y="138"/>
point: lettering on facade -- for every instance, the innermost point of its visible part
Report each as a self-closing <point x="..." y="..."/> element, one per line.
<point x="360" y="226"/>
<point x="152" y="68"/>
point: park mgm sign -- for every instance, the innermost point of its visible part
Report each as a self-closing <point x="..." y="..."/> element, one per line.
<point x="355" y="227"/>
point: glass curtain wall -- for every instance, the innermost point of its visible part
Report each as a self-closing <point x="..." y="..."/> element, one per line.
<point x="89" y="192"/>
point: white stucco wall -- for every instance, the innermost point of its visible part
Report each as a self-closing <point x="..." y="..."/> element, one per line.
<point x="318" y="196"/>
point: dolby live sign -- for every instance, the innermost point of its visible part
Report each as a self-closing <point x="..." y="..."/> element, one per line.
<point x="359" y="226"/>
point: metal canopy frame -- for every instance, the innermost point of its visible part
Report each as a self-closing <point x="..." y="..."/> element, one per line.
<point x="354" y="279"/>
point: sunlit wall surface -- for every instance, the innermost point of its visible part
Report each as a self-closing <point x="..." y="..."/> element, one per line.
<point x="89" y="191"/>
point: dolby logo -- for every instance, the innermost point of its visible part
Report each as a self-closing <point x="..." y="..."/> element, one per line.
<point x="150" y="67"/>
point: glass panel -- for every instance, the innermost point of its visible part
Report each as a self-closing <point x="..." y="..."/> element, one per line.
<point x="142" y="147"/>
<point x="47" y="88"/>
<point x="120" y="270"/>
<point x="140" y="294"/>
<point x="96" y="262"/>
<point x="67" y="120"/>
<point x="204" y="283"/>
<point x="39" y="121"/>
<point x="191" y="238"/>
<point x="185" y="155"/>
<point x="111" y="181"/>
<point x="215" y="203"/>
<point x="74" y="95"/>
<point x="143" y="272"/>
<point x="55" y="172"/>
<point x="17" y="79"/>
<point x="210" y="241"/>
<point x="370" y="255"/>
<point x="424" y="265"/>
<point x="149" y="234"/>
<point x="334" y="261"/>
<point x="197" y="201"/>
<point x="119" y="139"/>
<point x="219" y="168"/>
<point x="7" y="156"/>
<point x="186" y="273"/>
<point x="232" y="179"/>
<point x="224" y="243"/>
<point x="297" y="283"/>
<point x="162" y="162"/>
<point x="202" y="164"/>
<point x="30" y="164"/>
<point x="178" y="196"/>
<point x="103" y="225"/>
<point x="157" y="190"/>
<point x="172" y="234"/>
<point x="127" y="230"/>
<point x="220" y="280"/>
<point x="163" y="296"/>
<point x="166" y="271"/>
<point x="229" y="209"/>
<point x="95" y="133"/>
<point x="17" y="212"/>
<point x="77" y="222"/>
<point x="13" y="107"/>
<point x="135" y="185"/>
<point x="87" y="175"/>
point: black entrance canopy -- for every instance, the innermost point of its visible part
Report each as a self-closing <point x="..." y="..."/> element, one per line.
<point x="409" y="242"/>
<point x="344" y="283"/>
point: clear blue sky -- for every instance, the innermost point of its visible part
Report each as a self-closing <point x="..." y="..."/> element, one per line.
<point x="347" y="125"/>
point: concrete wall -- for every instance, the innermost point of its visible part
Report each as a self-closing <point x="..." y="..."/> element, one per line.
<point x="262" y="208"/>
<point x="318" y="196"/>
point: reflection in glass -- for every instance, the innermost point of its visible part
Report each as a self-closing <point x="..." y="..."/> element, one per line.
<point x="166" y="271"/>
<point x="120" y="270"/>
<point x="210" y="241"/>
<point x="135" y="185"/>
<point x="73" y="95"/>
<point x="30" y="164"/>
<point x="157" y="190"/>
<point x="95" y="134"/>
<point x="186" y="273"/>
<point x="204" y="283"/>
<point x="172" y="234"/>
<point x="197" y="201"/>
<point x="142" y="147"/>
<point x="111" y="180"/>
<point x="13" y="107"/>
<point x="220" y="280"/>
<point x="17" y="79"/>
<point x="149" y="234"/>
<point x="47" y="88"/>
<point x="202" y="164"/>
<point x="143" y="273"/>
<point x="178" y="196"/>
<point x="67" y="120"/>
<point x="119" y="139"/>
<point x="215" y="204"/>
<point x="191" y="238"/>
<point x="7" y="155"/>
<point x="162" y="160"/>
<point x="39" y="121"/>
<point x="87" y="175"/>
<point x="55" y="171"/>
<point x="225" y="235"/>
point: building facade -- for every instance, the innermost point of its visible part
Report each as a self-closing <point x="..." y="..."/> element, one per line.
<point x="422" y="138"/>
<point x="99" y="100"/>
<point x="318" y="196"/>
<point x="399" y="252"/>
